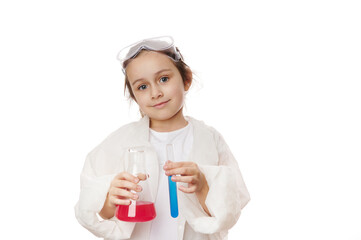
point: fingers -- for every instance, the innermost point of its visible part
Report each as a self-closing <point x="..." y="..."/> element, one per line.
<point x="132" y="178"/>
<point x="194" y="184"/>
<point x="142" y="176"/>
<point x="127" y="176"/>
<point x="120" y="196"/>
<point x="182" y="171"/>
<point x="122" y="187"/>
<point x="170" y="165"/>
<point x="117" y="201"/>
<point x="180" y="168"/>
<point x="184" y="179"/>
<point x="186" y="172"/>
<point x="127" y="185"/>
<point x="122" y="193"/>
<point x="191" y="189"/>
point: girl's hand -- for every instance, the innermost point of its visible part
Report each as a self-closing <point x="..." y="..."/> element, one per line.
<point x="120" y="192"/>
<point x="121" y="186"/>
<point x="190" y="174"/>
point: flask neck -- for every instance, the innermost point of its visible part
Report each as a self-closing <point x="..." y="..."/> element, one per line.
<point x="136" y="162"/>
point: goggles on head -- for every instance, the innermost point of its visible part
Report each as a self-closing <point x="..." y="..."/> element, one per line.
<point x="164" y="43"/>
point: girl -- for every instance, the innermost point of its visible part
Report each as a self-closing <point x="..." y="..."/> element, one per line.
<point x="211" y="189"/>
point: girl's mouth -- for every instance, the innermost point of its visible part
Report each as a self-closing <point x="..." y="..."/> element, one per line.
<point x="160" y="105"/>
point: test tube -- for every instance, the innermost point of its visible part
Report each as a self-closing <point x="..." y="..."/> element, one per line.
<point x="173" y="199"/>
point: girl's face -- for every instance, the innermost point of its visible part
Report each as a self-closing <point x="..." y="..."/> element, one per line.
<point x="157" y="86"/>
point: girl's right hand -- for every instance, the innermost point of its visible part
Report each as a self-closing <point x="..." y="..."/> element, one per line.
<point x="120" y="189"/>
<point x="120" y="192"/>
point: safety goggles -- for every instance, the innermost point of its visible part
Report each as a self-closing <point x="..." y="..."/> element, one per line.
<point x="164" y="44"/>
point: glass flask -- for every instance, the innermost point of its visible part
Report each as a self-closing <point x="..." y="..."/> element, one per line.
<point x="142" y="209"/>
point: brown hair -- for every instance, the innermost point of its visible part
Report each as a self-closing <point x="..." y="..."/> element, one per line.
<point x="182" y="67"/>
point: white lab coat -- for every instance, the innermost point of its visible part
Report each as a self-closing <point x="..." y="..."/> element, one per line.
<point x="226" y="197"/>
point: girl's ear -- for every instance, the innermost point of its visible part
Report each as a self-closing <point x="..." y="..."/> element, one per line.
<point x="189" y="77"/>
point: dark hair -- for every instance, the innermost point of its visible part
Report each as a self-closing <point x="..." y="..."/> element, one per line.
<point x="182" y="67"/>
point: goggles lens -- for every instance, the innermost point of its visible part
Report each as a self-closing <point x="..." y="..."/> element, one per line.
<point x="152" y="44"/>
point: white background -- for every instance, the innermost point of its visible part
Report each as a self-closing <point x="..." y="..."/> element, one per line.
<point x="279" y="79"/>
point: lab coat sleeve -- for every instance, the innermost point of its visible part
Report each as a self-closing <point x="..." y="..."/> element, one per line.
<point x="226" y="197"/>
<point x="93" y="192"/>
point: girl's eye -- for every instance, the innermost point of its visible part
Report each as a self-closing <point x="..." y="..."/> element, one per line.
<point x="142" y="87"/>
<point x="164" y="79"/>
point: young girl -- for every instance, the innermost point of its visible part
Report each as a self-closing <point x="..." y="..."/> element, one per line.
<point x="211" y="191"/>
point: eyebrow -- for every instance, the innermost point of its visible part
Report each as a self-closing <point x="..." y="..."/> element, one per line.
<point x="163" y="70"/>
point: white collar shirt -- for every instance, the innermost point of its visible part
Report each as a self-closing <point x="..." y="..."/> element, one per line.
<point x="164" y="226"/>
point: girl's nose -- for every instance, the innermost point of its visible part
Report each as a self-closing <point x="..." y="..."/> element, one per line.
<point x="156" y="93"/>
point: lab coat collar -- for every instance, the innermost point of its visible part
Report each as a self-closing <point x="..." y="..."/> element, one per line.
<point x="139" y="135"/>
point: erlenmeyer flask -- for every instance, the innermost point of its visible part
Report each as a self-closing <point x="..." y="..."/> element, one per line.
<point x="143" y="209"/>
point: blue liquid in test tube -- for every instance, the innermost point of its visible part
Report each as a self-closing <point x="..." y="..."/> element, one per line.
<point x="173" y="199"/>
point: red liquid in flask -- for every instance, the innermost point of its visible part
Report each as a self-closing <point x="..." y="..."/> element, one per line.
<point x="144" y="211"/>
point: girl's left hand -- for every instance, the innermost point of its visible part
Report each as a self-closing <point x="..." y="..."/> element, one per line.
<point x="190" y="173"/>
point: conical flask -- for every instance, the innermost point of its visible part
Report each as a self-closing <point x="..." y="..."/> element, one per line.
<point x="142" y="209"/>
